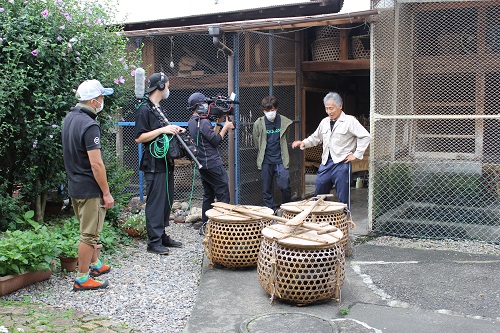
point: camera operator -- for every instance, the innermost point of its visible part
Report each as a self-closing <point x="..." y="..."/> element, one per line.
<point x="213" y="175"/>
<point x="158" y="172"/>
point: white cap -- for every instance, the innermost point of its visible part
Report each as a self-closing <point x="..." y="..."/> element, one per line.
<point x="91" y="89"/>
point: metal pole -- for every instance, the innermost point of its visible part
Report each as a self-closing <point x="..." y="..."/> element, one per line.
<point x="230" y="148"/>
<point x="271" y="64"/>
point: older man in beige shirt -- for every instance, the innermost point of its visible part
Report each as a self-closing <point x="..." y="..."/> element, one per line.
<point x="344" y="140"/>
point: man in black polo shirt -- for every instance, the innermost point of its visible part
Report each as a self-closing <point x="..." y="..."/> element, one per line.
<point x="87" y="183"/>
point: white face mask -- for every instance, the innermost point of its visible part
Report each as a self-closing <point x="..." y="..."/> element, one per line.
<point x="99" y="109"/>
<point x="270" y="115"/>
<point x="165" y="93"/>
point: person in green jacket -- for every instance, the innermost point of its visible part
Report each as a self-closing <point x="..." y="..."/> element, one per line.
<point x="269" y="136"/>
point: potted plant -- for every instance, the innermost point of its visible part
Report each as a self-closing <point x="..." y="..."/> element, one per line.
<point x="67" y="239"/>
<point x="135" y="224"/>
<point x="26" y="256"/>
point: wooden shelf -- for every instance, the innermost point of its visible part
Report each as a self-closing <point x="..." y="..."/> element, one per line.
<point x="336" y="65"/>
<point x="247" y="79"/>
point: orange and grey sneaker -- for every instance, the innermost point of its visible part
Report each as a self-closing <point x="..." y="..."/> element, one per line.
<point x="89" y="284"/>
<point x="99" y="269"/>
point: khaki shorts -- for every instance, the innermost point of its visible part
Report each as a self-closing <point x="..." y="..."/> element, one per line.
<point x="90" y="214"/>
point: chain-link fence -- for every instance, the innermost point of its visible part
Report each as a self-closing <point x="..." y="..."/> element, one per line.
<point x="266" y="65"/>
<point x="436" y="150"/>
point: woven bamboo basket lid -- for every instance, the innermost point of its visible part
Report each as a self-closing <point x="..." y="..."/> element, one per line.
<point x="322" y="207"/>
<point x="221" y="215"/>
<point x="301" y="238"/>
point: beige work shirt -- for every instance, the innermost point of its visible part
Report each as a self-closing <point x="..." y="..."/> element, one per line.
<point x="348" y="136"/>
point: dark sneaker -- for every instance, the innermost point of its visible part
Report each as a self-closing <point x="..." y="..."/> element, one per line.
<point x="203" y="228"/>
<point x="160" y="249"/>
<point x="90" y="284"/>
<point x="94" y="271"/>
<point x="169" y="242"/>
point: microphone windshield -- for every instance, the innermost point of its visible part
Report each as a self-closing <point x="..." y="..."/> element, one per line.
<point x="140" y="79"/>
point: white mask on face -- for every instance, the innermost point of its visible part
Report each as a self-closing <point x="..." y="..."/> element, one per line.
<point x="165" y="93"/>
<point x="99" y="109"/>
<point x="270" y="115"/>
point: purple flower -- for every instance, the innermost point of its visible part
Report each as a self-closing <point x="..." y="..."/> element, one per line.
<point x="87" y="22"/>
<point x="34" y="53"/>
<point x="1" y="10"/>
<point x="59" y="38"/>
<point x="109" y="63"/>
<point x="132" y="73"/>
<point x="59" y="1"/>
<point x="98" y="21"/>
<point x="45" y="13"/>
<point x="11" y="1"/>
<point x="54" y="126"/>
<point x="51" y="136"/>
<point x="121" y="60"/>
<point x="35" y="143"/>
<point x="89" y="10"/>
<point x="115" y="81"/>
<point x="73" y="40"/>
<point x="62" y="27"/>
<point x="121" y="79"/>
<point x="1" y="40"/>
<point x="78" y="59"/>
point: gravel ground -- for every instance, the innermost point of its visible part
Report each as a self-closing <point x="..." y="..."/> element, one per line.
<point x="464" y="246"/>
<point x="149" y="292"/>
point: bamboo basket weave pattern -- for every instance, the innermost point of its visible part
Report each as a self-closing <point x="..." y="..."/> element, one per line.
<point x="327" y="31"/>
<point x="361" y="47"/>
<point x="234" y="240"/>
<point x="326" y="49"/>
<point x="313" y="154"/>
<point x="301" y="275"/>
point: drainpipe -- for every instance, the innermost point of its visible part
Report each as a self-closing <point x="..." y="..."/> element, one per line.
<point x="214" y="31"/>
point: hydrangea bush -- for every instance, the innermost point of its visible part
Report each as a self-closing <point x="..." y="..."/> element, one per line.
<point x="47" y="48"/>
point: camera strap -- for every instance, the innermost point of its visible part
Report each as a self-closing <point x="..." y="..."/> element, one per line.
<point x="157" y="111"/>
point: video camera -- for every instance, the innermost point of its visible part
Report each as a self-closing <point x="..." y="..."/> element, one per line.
<point x="217" y="107"/>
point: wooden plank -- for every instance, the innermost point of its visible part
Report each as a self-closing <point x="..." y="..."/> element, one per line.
<point x="252" y="212"/>
<point x="260" y="79"/>
<point x="344" y="40"/>
<point x="336" y="65"/>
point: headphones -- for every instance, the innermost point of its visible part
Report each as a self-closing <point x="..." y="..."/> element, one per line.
<point x="161" y="84"/>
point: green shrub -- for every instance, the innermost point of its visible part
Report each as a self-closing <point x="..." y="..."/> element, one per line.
<point x="136" y="222"/>
<point x="112" y="237"/>
<point x="27" y="250"/>
<point x="10" y="209"/>
<point x="47" y="48"/>
<point x="68" y="237"/>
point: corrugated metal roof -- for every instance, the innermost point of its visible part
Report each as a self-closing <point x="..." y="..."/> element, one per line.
<point x="153" y="10"/>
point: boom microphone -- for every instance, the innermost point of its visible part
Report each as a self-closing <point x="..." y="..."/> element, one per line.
<point x="140" y="79"/>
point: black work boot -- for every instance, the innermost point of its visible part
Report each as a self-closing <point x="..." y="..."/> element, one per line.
<point x="169" y="242"/>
